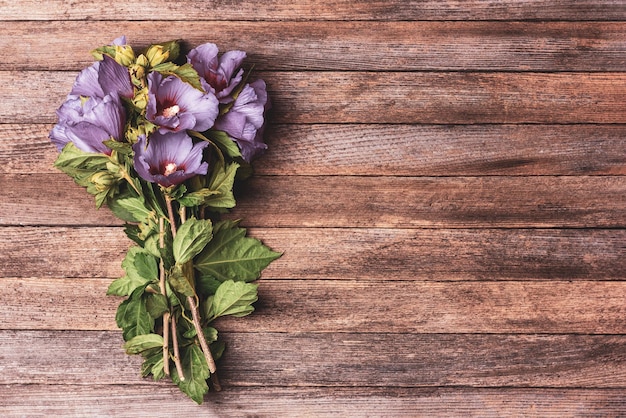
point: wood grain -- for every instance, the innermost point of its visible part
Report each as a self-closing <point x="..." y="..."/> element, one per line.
<point x="445" y="178"/>
<point x="309" y="306"/>
<point x="367" y="46"/>
<point x="305" y="359"/>
<point x="166" y="401"/>
<point x="348" y="253"/>
<point x="382" y="202"/>
<point x="375" y="97"/>
<point x="391" y="150"/>
<point x="276" y="10"/>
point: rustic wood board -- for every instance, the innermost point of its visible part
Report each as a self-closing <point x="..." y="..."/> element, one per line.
<point x="446" y="180"/>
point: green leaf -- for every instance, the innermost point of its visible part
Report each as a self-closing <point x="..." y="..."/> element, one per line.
<point x="133" y="317"/>
<point x="210" y="334"/>
<point x="78" y="163"/>
<point x="196" y="372"/>
<point x="196" y="198"/>
<point x="141" y="343"/>
<point x="224" y="142"/>
<point x="156" y="304"/>
<point x="121" y="147"/>
<point x="123" y="286"/>
<point x="185" y="72"/>
<point x="153" y="365"/>
<point x="192" y="237"/>
<point x="140" y="267"/>
<point x="179" y="281"/>
<point x="222" y="180"/>
<point x="207" y="285"/>
<point x="230" y="255"/>
<point x="232" y="298"/>
<point x="130" y="209"/>
<point x="217" y="349"/>
<point x="103" y="50"/>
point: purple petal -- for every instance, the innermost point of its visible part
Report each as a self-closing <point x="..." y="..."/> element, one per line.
<point x="245" y="120"/>
<point x="204" y="59"/>
<point x="88" y="137"/>
<point x="114" y="78"/>
<point x="86" y="83"/>
<point x="174" y="105"/>
<point x="120" y="41"/>
<point x="169" y="159"/>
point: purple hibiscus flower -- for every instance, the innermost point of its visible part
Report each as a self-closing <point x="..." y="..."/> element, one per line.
<point x="245" y="121"/>
<point x="219" y="73"/>
<point x="102" y="78"/>
<point x="169" y="159"/>
<point x="87" y="123"/>
<point x="175" y="106"/>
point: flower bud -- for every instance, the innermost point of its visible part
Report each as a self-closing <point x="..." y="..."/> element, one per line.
<point x="102" y="180"/>
<point x="124" y="55"/>
<point x="142" y="60"/>
<point x="156" y="55"/>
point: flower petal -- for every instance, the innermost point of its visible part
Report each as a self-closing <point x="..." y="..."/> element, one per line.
<point x="114" y="78"/>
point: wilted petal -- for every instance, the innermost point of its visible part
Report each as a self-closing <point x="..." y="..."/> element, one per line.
<point x="169" y="159"/>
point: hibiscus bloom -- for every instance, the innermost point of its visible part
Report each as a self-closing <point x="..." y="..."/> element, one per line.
<point x="102" y="78"/>
<point x="219" y="73"/>
<point x="175" y="106"/>
<point x="88" y="123"/>
<point x="245" y="121"/>
<point x="169" y="159"/>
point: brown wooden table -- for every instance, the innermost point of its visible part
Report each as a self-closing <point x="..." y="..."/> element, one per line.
<point x="445" y="179"/>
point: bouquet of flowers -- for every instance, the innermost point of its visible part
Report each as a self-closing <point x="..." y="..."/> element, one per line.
<point x="160" y="139"/>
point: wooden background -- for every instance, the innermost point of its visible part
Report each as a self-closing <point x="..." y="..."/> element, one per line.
<point x="446" y="180"/>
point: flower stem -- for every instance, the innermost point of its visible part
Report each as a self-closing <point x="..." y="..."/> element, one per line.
<point x="179" y="366"/>
<point x="194" y="310"/>
<point x="205" y="347"/>
<point x="166" y="315"/>
<point x="170" y="214"/>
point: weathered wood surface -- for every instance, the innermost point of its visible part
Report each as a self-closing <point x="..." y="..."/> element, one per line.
<point x="388" y="202"/>
<point x="384" y="97"/>
<point x="337" y="10"/>
<point x="366" y="46"/>
<point x="392" y="150"/>
<point x="349" y="306"/>
<point x="446" y="180"/>
<point x="380" y="254"/>
<point x="311" y="359"/>
<point x="45" y="400"/>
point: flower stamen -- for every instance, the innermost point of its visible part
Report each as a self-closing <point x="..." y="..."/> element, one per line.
<point x="170" y="168"/>
<point x="171" y="111"/>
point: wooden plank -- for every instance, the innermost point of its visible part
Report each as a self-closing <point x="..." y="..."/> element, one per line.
<point x="444" y="150"/>
<point x="385" y="202"/>
<point x="305" y="359"/>
<point x="408" y="46"/>
<point x="348" y="306"/>
<point x="446" y="202"/>
<point x="348" y="253"/>
<point x="161" y="400"/>
<point x="368" y="97"/>
<point x="317" y="10"/>
<point x="400" y="150"/>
